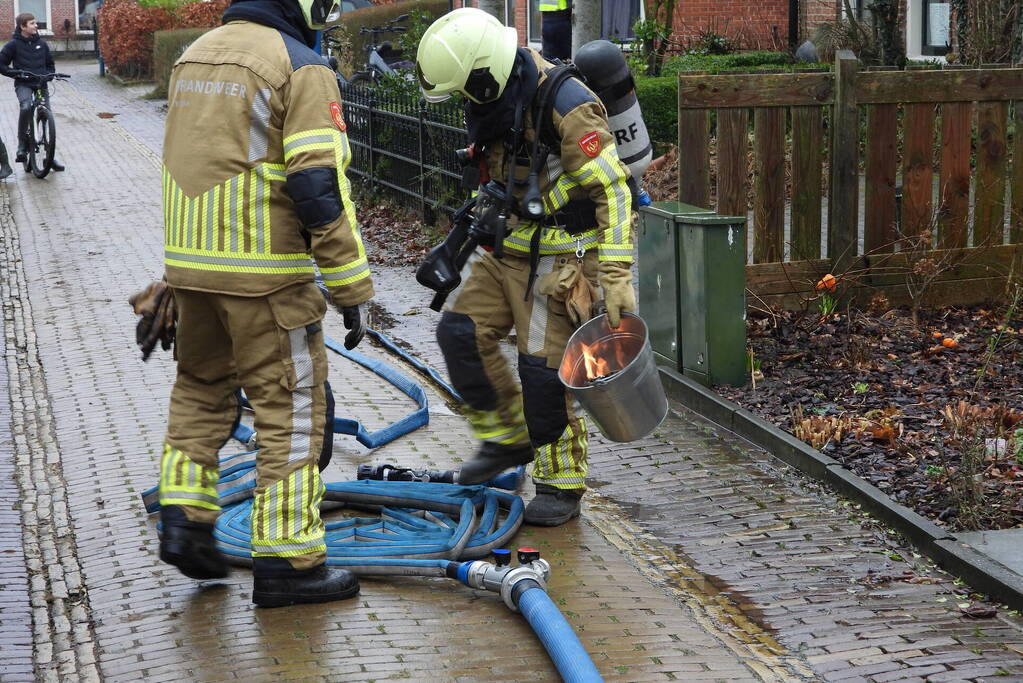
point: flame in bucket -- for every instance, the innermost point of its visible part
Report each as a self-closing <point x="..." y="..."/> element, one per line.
<point x="595" y="366"/>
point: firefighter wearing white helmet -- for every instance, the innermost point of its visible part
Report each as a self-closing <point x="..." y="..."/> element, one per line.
<point x="255" y="198"/>
<point x="568" y="230"/>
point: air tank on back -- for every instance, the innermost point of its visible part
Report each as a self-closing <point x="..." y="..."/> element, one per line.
<point x="607" y="74"/>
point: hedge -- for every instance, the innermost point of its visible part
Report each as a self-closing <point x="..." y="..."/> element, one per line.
<point x="658" y="100"/>
<point x="126" y="36"/>
<point x="127" y="30"/>
<point x="167" y="47"/>
<point x="379" y="15"/>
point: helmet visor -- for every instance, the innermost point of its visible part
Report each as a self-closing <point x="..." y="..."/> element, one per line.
<point x="427" y="87"/>
<point x="322" y="12"/>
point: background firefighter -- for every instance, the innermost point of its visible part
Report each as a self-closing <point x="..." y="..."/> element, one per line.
<point x="543" y="281"/>
<point x="254" y="189"/>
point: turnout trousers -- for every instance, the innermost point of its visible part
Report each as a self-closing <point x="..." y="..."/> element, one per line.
<point x="490" y="303"/>
<point x="272" y="347"/>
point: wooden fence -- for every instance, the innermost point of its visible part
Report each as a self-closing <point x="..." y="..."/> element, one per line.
<point x="914" y="127"/>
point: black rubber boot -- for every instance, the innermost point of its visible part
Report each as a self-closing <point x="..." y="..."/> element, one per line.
<point x="22" y="155"/>
<point x="492" y="459"/>
<point x="56" y="166"/>
<point x="277" y="584"/>
<point x="189" y="546"/>
<point x="5" y="166"/>
<point x="553" y="506"/>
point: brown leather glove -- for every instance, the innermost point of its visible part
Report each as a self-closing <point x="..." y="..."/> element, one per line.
<point x="616" y="281"/>
<point x="570" y="285"/>
<point x="158" y="323"/>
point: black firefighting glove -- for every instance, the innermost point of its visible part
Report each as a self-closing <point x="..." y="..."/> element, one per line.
<point x="158" y="323"/>
<point x="354" y="318"/>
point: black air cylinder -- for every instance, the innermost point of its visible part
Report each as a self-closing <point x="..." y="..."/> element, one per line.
<point x="607" y="74"/>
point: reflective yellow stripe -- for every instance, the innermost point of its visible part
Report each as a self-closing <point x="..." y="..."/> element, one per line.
<point x="345" y="275"/>
<point x="201" y="259"/>
<point x="230" y="219"/>
<point x="186" y="482"/>
<point x="286" y="517"/>
<point x="487" y="425"/>
<point x="563" y="462"/>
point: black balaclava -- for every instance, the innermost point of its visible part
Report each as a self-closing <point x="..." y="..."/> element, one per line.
<point x="492" y="120"/>
<point x="284" y="15"/>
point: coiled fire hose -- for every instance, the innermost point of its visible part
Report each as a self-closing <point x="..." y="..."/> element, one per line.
<point x="424" y="528"/>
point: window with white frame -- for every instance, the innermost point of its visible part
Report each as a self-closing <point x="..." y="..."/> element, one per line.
<point x="87" y="14"/>
<point x="936" y="26"/>
<point x="40" y="9"/>
<point x="618" y="18"/>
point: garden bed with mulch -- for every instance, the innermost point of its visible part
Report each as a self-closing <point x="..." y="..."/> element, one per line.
<point x="929" y="411"/>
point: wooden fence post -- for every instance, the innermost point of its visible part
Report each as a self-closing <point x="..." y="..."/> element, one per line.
<point x="693" y="154"/>
<point x="845" y="177"/>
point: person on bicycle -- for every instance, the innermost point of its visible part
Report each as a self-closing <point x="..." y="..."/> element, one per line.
<point x="26" y="52"/>
<point x="254" y="191"/>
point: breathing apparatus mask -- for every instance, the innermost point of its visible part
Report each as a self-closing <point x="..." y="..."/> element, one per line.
<point x="481" y="221"/>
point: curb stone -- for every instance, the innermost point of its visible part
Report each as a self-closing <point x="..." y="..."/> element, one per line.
<point x="980" y="571"/>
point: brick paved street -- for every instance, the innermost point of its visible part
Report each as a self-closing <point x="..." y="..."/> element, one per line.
<point x="697" y="557"/>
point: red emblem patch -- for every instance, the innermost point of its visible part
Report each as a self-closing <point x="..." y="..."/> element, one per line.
<point x="590" y="144"/>
<point x="335" y="113"/>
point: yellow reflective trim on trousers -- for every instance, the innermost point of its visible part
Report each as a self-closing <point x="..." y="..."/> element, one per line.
<point x="563" y="462"/>
<point x="286" y="518"/>
<point x="186" y="482"/>
<point x="487" y="425"/>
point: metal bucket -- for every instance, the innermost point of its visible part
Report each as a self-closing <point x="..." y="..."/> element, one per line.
<point x="628" y="401"/>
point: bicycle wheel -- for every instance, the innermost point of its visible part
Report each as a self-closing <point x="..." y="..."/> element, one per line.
<point x="44" y="134"/>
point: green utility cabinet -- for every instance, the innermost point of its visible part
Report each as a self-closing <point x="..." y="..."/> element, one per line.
<point x="692" y="290"/>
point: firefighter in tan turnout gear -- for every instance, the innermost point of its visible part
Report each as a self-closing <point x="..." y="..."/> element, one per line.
<point x="526" y="118"/>
<point x="254" y="191"/>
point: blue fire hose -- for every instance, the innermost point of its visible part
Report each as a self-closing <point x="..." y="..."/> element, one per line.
<point x="424" y="529"/>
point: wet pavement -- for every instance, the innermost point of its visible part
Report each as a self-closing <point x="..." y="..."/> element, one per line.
<point x="697" y="556"/>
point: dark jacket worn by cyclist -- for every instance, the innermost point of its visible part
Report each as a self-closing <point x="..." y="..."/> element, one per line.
<point x="25" y="53"/>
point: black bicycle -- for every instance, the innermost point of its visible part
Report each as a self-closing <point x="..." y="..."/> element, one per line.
<point x="42" y="135"/>
<point x="382" y="58"/>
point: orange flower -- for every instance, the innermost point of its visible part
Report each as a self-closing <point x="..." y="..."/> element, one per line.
<point x="827" y="282"/>
<point x="937" y="335"/>
<point x="949" y="343"/>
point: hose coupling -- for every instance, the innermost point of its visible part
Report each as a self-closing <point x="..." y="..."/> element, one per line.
<point x="502" y="578"/>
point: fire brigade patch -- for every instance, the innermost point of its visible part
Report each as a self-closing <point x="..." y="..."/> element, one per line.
<point x="335" y="113"/>
<point x="590" y="144"/>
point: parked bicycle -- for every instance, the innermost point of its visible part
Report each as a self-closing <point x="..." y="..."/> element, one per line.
<point x="382" y="58"/>
<point x="42" y="136"/>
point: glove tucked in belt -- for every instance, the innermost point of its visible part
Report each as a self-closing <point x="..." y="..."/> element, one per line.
<point x="158" y="323"/>
<point x="570" y="285"/>
<point x="616" y="281"/>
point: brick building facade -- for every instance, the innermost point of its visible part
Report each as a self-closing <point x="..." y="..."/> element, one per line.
<point x="64" y="24"/>
<point x="754" y="24"/>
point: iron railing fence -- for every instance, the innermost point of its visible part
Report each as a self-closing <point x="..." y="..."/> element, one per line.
<point x="406" y="149"/>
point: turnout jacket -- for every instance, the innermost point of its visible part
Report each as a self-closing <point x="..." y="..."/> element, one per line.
<point x="585" y="167"/>
<point x="254" y="160"/>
